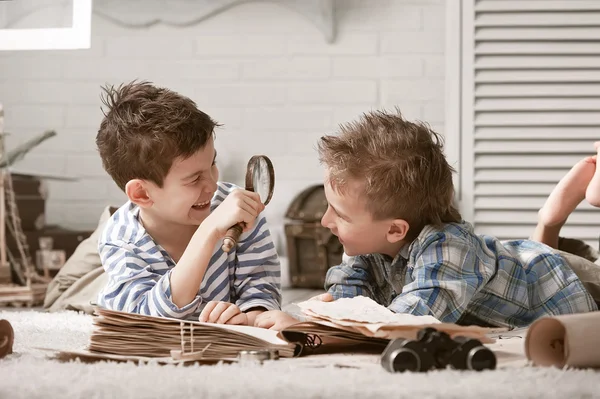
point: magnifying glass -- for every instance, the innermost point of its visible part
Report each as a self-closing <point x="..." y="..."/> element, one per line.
<point x="260" y="178"/>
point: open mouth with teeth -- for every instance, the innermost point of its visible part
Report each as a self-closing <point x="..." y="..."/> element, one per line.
<point x="201" y="205"/>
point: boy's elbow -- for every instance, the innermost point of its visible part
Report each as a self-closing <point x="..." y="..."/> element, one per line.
<point x="128" y="300"/>
<point x="121" y="303"/>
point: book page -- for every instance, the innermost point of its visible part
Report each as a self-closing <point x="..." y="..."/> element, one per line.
<point x="158" y="323"/>
<point x="270" y="336"/>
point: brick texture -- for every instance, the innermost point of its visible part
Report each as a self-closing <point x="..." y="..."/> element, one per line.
<point x="262" y="70"/>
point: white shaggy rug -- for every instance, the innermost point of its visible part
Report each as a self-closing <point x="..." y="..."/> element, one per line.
<point x="28" y="374"/>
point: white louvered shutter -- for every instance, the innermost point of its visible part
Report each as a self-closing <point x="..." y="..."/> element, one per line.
<point x="530" y="109"/>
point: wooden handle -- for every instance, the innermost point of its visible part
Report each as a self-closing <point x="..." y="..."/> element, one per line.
<point x="232" y="236"/>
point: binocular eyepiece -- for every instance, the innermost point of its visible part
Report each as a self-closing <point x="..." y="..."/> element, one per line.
<point x="434" y="349"/>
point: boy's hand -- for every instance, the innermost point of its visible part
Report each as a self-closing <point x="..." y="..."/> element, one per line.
<point x="326" y="297"/>
<point x="222" y="313"/>
<point x="274" y="320"/>
<point x="239" y="206"/>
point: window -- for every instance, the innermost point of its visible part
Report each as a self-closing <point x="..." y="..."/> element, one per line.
<point x="76" y="36"/>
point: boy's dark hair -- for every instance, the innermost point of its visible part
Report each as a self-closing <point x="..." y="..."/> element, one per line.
<point x="402" y="165"/>
<point x="145" y="128"/>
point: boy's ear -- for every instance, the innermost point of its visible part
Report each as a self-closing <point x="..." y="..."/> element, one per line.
<point x="398" y="230"/>
<point x="137" y="192"/>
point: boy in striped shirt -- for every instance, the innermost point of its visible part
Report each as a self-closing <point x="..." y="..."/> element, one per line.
<point x="162" y="248"/>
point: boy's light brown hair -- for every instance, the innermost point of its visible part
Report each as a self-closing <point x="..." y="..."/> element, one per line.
<point x="145" y="128"/>
<point x="403" y="167"/>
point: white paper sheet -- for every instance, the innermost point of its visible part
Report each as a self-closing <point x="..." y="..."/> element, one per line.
<point x="363" y="310"/>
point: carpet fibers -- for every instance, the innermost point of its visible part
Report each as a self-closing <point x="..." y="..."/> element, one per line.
<point x="29" y="374"/>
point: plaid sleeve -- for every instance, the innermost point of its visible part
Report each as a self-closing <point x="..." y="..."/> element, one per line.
<point x="351" y="278"/>
<point x="446" y="275"/>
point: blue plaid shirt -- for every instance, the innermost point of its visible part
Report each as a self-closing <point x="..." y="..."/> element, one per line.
<point x="460" y="277"/>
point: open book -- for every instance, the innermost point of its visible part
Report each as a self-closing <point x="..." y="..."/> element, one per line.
<point x="346" y="325"/>
<point x="363" y="316"/>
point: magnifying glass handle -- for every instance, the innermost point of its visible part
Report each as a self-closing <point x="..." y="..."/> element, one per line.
<point x="232" y="236"/>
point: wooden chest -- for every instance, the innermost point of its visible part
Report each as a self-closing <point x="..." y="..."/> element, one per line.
<point x="311" y="248"/>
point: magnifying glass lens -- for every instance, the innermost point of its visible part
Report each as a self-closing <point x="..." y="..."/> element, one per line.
<point x="261" y="179"/>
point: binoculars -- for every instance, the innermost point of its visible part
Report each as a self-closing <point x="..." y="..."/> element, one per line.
<point x="434" y="349"/>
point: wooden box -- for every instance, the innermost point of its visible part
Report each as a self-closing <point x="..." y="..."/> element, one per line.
<point x="63" y="239"/>
<point x="312" y="249"/>
<point x="30" y="195"/>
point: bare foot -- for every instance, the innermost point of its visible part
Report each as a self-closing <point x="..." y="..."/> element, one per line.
<point x="569" y="192"/>
<point x="592" y="194"/>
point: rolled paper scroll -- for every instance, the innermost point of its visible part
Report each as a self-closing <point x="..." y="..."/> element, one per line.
<point x="7" y="337"/>
<point x="566" y="340"/>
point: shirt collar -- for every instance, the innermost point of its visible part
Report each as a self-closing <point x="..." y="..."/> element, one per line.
<point x="402" y="254"/>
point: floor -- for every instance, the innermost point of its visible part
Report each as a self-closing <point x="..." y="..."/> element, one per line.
<point x="291" y="296"/>
<point x="295" y="295"/>
<point x="347" y="375"/>
<point x="28" y="373"/>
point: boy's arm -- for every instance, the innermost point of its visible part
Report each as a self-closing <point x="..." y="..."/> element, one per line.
<point x="446" y="276"/>
<point x="135" y="287"/>
<point x="187" y="275"/>
<point x="573" y="188"/>
<point x="258" y="273"/>
<point x="351" y="278"/>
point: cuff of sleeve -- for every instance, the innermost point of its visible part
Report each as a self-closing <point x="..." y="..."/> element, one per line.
<point x="253" y="303"/>
<point x="337" y="293"/>
<point x="410" y="304"/>
<point x="167" y="299"/>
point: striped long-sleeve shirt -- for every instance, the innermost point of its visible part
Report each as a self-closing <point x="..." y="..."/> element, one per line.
<point x="461" y="277"/>
<point x="139" y="269"/>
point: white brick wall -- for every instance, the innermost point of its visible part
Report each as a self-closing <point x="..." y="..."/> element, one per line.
<point x="261" y="69"/>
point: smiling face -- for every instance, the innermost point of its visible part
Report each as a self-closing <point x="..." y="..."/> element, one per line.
<point x="187" y="189"/>
<point x="348" y="218"/>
